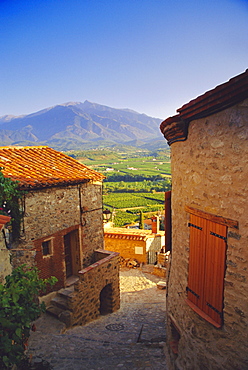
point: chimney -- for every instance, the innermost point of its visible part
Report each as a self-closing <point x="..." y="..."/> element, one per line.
<point x="155" y="224"/>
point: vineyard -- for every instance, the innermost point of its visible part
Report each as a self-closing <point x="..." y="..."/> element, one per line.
<point x="127" y="206"/>
<point x="136" y="180"/>
<point x="133" y="200"/>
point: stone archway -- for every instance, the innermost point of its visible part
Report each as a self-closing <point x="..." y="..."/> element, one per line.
<point x="106" y="300"/>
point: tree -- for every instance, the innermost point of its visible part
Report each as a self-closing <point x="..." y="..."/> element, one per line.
<point x="141" y="223"/>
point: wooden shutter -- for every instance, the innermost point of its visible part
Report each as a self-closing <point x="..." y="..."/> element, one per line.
<point x="167" y="223"/>
<point x="215" y="271"/>
<point x="207" y="258"/>
<point x="197" y="260"/>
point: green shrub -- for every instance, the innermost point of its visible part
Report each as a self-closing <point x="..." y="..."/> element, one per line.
<point x="19" y="306"/>
<point x="10" y="196"/>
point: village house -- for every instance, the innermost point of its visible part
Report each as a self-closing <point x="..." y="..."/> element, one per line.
<point x="62" y="230"/>
<point x="137" y="244"/>
<point x="207" y="303"/>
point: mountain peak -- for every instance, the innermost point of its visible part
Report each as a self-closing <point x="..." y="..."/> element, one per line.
<point x="81" y="122"/>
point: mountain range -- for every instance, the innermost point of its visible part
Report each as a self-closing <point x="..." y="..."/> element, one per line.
<point x="81" y="126"/>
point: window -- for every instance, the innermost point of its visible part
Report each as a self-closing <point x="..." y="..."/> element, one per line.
<point x="207" y="261"/>
<point x="139" y="250"/>
<point x="47" y="247"/>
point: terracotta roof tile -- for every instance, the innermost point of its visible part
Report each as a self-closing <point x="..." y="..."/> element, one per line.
<point x="221" y="97"/>
<point x="217" y="99"/>
<point x="41" y="166"/>
<point x="131" y="234"/>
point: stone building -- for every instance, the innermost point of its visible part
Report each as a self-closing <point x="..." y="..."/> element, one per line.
<point x="62" y="225"/>
<point x="207" y="303"/>
<point x="5" y="265"/>
<point x="141" y="245"/>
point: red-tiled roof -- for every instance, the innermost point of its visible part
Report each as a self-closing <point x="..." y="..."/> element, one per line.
<point x="131" y="234"/>
<point x="41" y="166"/>
<point x="221" y="97"/>
<point x="217" y="99"/>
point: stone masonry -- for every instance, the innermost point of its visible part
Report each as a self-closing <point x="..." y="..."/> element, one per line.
<point x="62" y="227"/>
<point x="5" y="265"/>
<point x="210" y="172"/>
<point x="96" y="292"/>
<point x="50" y="214"/>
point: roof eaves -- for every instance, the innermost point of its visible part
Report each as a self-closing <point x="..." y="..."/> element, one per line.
<point x="221" y="97"/>
<point x="217" y="99"/>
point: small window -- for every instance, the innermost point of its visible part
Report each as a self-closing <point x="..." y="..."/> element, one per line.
<point x="138" y="250"/>
<point x="47" y="247"/>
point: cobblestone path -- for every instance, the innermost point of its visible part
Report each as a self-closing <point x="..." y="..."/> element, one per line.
<point x="131" y="338"/>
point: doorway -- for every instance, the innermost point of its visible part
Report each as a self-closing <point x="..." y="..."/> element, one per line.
<point x="72" y="253"/>
<point x="106" y="300"/>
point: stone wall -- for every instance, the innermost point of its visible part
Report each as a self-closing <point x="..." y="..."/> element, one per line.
<point x="50" y="210"/>
<point x="89" y="300"/>
<point x="210" y="172"/>
<point x="92" y="231"/>
<point x="52" y="213"/>
<point x="5" y="265"/>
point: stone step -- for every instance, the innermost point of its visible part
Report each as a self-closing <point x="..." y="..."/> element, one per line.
<point x="60" y="302"/>
<point x="67" y="292"/>
<point x="71" y="280"/>
<point x="161" y="285"/>
<point x="54" y="311"/>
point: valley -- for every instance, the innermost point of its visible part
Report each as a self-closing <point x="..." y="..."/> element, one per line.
<point x="136" y="180"/>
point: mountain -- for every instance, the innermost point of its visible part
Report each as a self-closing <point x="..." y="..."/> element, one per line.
<point x="76" y="125"/>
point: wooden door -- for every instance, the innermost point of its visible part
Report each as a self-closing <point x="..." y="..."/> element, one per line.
<point x="68" y="255"/>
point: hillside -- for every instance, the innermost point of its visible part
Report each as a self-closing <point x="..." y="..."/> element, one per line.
<point x="73" y="125"/>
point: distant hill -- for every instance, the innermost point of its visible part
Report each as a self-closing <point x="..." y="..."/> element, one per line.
<point x="81" y="125"/>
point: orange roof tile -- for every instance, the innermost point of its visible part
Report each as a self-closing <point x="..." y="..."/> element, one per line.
<point x="132" y="234"/>
<point x="221" y="97"/>
<point x="41" y="166"/>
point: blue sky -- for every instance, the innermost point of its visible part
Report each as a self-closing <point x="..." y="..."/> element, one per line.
<point x="151" y="56"/>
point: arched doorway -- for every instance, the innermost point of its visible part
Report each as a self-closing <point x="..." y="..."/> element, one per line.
<point x="106" y="300"/>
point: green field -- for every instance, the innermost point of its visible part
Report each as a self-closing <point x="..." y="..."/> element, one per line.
<point x="134" y="167"/>
<point x="135" y="180"/>
<point x="127" y="206"/>
<point x="133" y="200"/>
<point x="134" y="162"/>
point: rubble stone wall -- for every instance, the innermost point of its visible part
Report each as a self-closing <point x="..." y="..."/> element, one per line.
<point x="5" y="265"/>
<point x="92" y="222"/>
<point x="209" y="173"/>
<point x="50" y="210"/>
<point x="51" y="214"/>
<point x="86" y="301"/>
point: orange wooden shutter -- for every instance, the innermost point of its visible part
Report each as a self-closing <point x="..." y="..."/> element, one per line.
<point x="196" y="260"/>
<point x="207" y="260"/>
<point x="215" y="271"/>
<point x="167" y="223"/>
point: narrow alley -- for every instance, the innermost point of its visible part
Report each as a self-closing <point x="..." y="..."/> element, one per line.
<point x="131" y="338"/>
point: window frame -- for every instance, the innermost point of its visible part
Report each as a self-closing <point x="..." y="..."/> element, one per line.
<point x="50" y="247"/>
